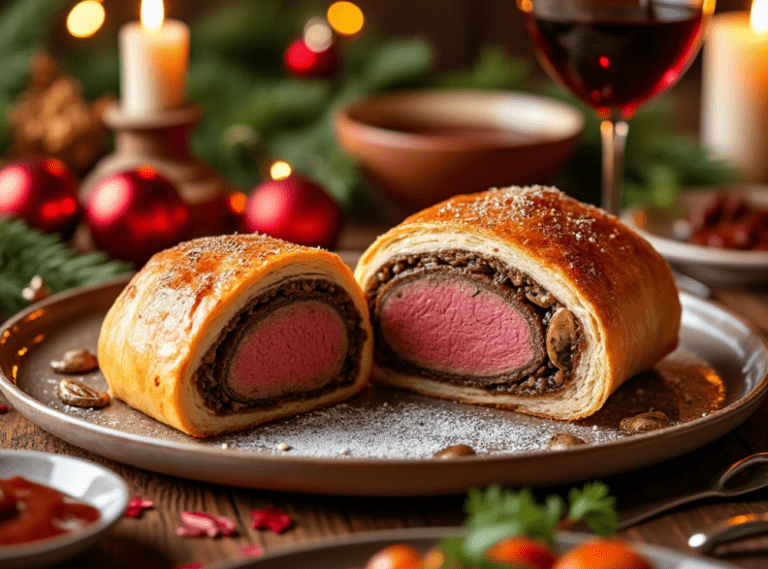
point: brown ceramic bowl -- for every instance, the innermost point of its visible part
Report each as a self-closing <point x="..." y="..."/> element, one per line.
<point x="421" y="147"/>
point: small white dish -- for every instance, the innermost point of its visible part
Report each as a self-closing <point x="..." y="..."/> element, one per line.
<point x="86" y="481"/>
<point x="711" y="265"/>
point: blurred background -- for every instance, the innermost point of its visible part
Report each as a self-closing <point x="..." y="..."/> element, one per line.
<point x="237" y="73"/>
<point x="259" y="104"/>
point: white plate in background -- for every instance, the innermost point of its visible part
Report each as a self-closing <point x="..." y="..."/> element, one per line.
<point x="711" y="265"/>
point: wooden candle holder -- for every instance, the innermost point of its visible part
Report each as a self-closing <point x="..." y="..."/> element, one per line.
<point x="162" y="140"/>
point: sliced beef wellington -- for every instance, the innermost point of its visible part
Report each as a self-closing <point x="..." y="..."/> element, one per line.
<point x="220" y="334"/>
<point x="520" y="298"/>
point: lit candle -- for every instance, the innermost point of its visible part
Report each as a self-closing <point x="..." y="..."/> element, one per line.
<point x="153" y="62"/>
<point x="734" y="119"/>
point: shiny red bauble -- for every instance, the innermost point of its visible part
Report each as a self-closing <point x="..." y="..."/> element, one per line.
<point x="296" y="210"/>
<point x="133" y="214"/>
<point x="43" y="192"/>
<point x="301" y="61"/>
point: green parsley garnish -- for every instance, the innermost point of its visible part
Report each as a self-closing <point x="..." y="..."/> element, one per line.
<point x="496" y="513"/>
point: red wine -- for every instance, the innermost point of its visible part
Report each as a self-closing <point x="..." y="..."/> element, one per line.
<point x="617" y="64"/>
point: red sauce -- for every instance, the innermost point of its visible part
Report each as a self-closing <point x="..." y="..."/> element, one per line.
<point x="31" y="511"/>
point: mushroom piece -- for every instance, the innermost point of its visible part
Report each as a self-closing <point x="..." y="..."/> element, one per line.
<point x="561" y="334"/>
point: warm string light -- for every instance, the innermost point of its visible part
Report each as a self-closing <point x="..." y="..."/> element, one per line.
<point x="758" y="17"/>
<point x="85" y="18"/>
<point x="345" y="18"/>
<point x="280" y="170"/>
<point x="318" y="35"/>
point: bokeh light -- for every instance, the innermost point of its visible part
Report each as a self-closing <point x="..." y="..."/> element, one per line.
<point x="280" y="170"/>
<point x="318" y="35"/>
<point x="345" y="17"/>
<point x="85" y="18"/>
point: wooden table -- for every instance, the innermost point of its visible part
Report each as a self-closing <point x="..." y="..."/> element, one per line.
<point x="150" y="541"/>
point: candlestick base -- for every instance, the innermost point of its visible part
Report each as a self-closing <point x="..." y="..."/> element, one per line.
<point x="161" y="140"/>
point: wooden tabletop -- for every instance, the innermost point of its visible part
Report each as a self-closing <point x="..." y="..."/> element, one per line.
<point x="150" y="541"/>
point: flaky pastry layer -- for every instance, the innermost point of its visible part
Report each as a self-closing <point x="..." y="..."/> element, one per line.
<point x="160" y="327"/>
<point x="619" y="289"/>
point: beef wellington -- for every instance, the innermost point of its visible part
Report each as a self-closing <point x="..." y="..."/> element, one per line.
<point x="520" y="298"/>
<point x="220" y="334"/>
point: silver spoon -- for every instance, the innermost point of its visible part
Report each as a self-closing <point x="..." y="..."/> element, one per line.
<point x="736" y="527"/>
<point x="754" y="476"/>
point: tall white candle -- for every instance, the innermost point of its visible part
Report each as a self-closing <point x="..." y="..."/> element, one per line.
<point x="154" y="55"/>
<point x="734" y="119"/>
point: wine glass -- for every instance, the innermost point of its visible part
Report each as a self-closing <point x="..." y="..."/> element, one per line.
<point x="615" y="55"/>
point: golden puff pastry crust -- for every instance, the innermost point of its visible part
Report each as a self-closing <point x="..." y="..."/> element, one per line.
<point x="520" y="298"/>
<point x="220" y="334"/>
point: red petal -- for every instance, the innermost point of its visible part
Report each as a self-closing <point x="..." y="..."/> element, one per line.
<point x="3" y="408"/>
<point x="225" y="525"/>
<point x="136" y="506"/>
<point x="251" y="550"/>
<point x="272" y="519"/>
<point x="201" y="523"/>
<point x="206" y="523"/>
<point x="187" y="531"/>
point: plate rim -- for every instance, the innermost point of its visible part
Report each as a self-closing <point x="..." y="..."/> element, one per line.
<point x="34" y="410"/>
<point x="67" y="545"/>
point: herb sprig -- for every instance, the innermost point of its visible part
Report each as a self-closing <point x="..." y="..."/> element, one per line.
<point x="496" y="513"/>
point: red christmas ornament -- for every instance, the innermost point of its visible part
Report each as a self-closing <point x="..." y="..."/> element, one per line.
<point x="302" y="61"/>
<point x="136" y="213"/>
<point x="43" y="192"/>
<point x="296" y="210"/>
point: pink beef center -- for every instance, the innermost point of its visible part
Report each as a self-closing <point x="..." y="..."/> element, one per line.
<point x="296" y="348"/>
<point x="455" y="327"/>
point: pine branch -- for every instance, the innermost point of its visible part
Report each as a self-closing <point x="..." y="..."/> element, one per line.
<point x="26" y="252"/>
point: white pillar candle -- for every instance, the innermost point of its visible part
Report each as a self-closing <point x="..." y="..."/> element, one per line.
<point x="153" y="64"/>
<point x="734" y="119"/>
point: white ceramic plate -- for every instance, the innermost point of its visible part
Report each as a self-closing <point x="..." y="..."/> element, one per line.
<point x="389" y="435"/>
<point x="355" y="550"/>
<point x="711" y="265"/>
<point x="86" y="481"/>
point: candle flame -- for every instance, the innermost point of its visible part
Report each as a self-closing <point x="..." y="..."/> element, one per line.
<point x="85" y="18"/>
<point x="152" y="14"/>
<point x="758" y="17"/>
<point x="280" y="170"/>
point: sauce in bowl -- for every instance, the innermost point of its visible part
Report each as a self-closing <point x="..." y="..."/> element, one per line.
<point x="31" y="511"/>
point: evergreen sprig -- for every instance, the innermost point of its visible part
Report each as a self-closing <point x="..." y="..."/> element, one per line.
<point x="24" y="25"/>
<point x="26" y="253"/>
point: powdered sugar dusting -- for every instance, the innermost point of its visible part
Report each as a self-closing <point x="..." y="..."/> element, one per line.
<point x="542" y="219"/>
<point x="409" y="428"/>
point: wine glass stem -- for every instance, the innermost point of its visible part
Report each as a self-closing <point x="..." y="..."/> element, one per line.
<point x="613" y="133"/>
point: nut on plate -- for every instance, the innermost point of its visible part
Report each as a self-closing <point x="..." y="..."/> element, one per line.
<point x="75" y="361"/>
<point x="560" y="441"/>
<point x="454" y="451"/>
<point x="78" y="394"/>
<point x="645" y="422"/>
